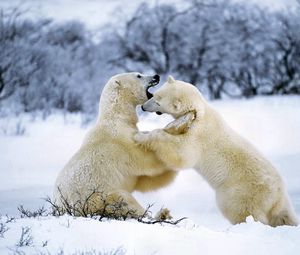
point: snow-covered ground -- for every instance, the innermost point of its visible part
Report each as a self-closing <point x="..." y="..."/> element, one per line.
<point x="81" y="234"/>
<point x="30" y="163"/>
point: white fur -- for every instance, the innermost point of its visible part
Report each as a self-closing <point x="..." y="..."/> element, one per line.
<point x="245" y="182"/>
<point x="109" y="161"/>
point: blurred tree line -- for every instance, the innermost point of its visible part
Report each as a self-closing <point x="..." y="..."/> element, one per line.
<point x="225" y="49"/>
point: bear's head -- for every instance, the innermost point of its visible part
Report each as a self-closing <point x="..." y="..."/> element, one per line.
<point x="135" y="86"/>
<point x="176" y="98"/>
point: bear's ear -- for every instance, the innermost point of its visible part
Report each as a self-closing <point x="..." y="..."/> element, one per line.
<point x="171" y="79"/>
<point x="177" y="104"/>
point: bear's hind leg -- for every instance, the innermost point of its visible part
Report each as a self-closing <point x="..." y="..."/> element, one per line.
<point x="283" y="217"/>
<point x="282" y="213"/>
<point x="122" y="204"/>
<point x="149" y="183"/>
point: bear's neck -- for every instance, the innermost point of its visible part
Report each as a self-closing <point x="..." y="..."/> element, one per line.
<point x="118" y="112"/>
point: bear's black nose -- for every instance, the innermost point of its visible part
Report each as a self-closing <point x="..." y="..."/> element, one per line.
<point x="156" y="78"/>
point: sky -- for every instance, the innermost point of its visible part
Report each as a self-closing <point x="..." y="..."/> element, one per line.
<point x="95" y="13"/>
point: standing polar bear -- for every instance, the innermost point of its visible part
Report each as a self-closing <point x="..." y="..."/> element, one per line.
<point x="109" y="162"/>
<point x="245" y="182"/>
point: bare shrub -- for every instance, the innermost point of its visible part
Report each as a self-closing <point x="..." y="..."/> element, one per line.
<point x="25" y="213"/>
<point x="26" y="238"/>
<point x="12" y="128"/>
<point x="117" y="209"/>
<point x="117" y="251"/>
<point x="3" y="229"/>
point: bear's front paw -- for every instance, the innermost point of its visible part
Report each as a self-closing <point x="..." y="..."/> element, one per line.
<point x="163" y="215"/>
<point x="181" y="125"/>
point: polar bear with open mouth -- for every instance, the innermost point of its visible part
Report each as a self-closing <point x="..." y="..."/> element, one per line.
<point x="109" y="161"/>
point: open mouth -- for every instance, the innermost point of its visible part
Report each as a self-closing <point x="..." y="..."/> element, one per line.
<point x="152" y="83"/>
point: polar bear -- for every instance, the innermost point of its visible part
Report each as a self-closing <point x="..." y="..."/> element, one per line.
<point x="109" y="162"/>
<point x="245" y="182"/>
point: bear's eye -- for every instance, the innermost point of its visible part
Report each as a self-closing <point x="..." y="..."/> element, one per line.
<point x="139" y="76"/>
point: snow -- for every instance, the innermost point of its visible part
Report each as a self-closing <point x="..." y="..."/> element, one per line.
<point x="65" y="233"/>
<point x="30" y="163"/>
<point x="37" y="156"/>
